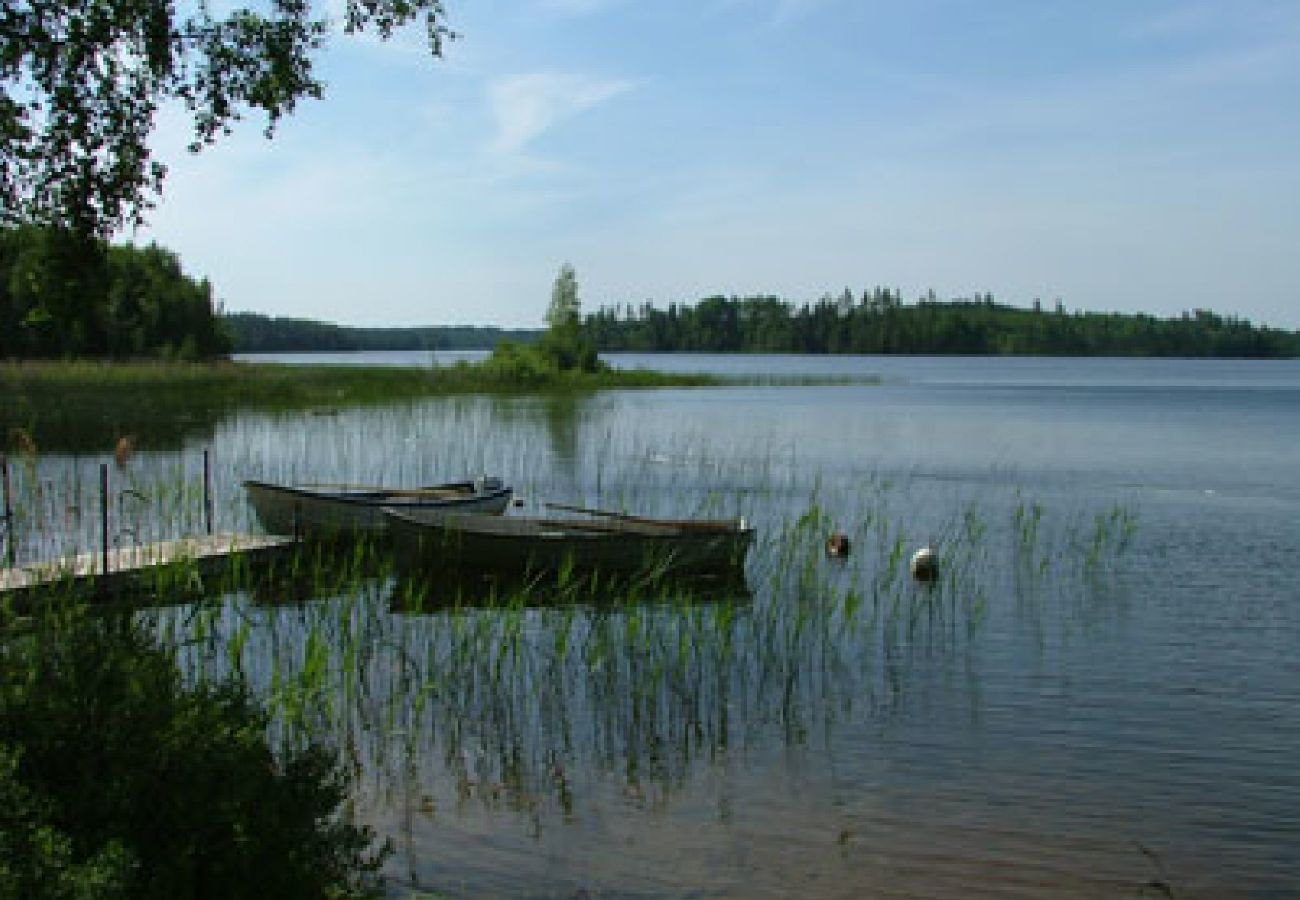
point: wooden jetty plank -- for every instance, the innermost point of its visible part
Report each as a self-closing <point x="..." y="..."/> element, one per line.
<point x="128" y="562"/>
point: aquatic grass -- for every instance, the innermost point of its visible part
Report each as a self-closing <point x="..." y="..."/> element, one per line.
<point x="58" y="502"/>
<point x="78" y="405"/>
<point x="1112" y="533"/>
<point x="441" y="693"/>
<point x="225" y="385"/>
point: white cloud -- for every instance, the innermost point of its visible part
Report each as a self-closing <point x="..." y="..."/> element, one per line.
<point x="526" y="106"/>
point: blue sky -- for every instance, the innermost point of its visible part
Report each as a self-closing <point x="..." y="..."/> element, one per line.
<point x="1141" y="155"/>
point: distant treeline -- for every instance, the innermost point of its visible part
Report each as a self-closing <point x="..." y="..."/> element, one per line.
<point x="65" y="295"/>
<point x="880" y="322"/>
<point x="256" y="333"/>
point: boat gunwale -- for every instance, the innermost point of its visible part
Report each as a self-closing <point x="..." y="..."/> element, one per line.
<point x="409" y="498"/>
<point x="555" y="529"/>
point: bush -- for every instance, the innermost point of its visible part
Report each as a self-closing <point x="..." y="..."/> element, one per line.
<point x="36" y="857"/>
<point x="573" y="354"/>
<point x="518" y="365"/>
<point x="118" y="780"/>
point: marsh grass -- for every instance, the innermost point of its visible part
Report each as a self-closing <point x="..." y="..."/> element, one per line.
<point x="83" y="405"/>
<point x="58" y="502"/>
<point x="489" y="700"/>
<point x="284" y="386"/>
<point x="515" y="697"/>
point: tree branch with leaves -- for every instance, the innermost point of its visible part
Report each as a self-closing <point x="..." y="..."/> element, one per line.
<point x="82" y="81"/>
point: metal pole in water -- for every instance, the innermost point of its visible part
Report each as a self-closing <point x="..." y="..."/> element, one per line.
<point x="207" y="488"/>
<point x="103" y="511"/>
<point x="10" y="549"/>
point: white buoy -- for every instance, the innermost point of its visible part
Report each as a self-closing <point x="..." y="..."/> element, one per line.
<point x="924" y="565"/>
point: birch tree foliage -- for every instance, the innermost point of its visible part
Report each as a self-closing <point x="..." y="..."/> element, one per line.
<point x="82" y="81"/>
<point x="565" y="342"/>
<point x="564" y="315"/>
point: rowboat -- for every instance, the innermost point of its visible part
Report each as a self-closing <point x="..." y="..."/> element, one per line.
<point x="605" y="542"/>
<point x="339" y="510"/>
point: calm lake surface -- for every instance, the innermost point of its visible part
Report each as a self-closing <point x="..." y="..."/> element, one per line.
<point x="1100" y="698"/>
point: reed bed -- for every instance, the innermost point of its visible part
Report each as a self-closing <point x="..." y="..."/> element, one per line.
<point x="229" y="385"/>
<point x="536" y="701"/>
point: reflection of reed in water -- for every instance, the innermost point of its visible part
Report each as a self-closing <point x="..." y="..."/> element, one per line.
<point x="58" y="506"/>
<point x="532" y="701"/>
<point x="421" y="591"/>
<point x="518" y="696"/>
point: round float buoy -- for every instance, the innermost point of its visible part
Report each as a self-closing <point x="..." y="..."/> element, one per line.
<point x="924" y="565"/>
<point x="837" y="545"/>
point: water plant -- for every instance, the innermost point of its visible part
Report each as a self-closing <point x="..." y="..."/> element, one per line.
<point x="524" y="698"/>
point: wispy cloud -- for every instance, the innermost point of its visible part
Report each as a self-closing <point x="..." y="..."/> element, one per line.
<point x="526" y="106"/>
<point x="767" y="13"/>
<point x="574" y="7"/>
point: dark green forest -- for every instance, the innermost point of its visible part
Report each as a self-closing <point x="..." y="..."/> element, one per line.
<point x="878" y="321"/>
<point x="64" y="295"/>
<point x="256" y="333"/>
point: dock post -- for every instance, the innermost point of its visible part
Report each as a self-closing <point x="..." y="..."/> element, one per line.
<point x="11" y="551"/>
<point x="207" y="489"/>
<point x="103" y="513"/>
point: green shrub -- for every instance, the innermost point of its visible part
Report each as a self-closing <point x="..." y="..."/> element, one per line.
<point x="36" y="857"/>
<point x="117" y="779"/>
<point x="517" y="364"/>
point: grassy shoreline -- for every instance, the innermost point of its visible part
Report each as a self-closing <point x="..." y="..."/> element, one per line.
<point x="292" y="386"/>
<point x="84" y="405"/>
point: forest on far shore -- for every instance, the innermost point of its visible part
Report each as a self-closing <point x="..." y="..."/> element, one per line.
<point x="879" y="322"/>
<point x="256" y="333"/>
<point x="67" y="297"/>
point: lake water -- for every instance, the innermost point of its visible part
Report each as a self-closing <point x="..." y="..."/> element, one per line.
<point x="1100" y="698"/>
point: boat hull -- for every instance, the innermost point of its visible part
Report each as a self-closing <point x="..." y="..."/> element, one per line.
<point x="424" y="540"/>
<point x="340" y="511"/>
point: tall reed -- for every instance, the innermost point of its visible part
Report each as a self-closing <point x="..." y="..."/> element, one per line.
<point x="526" y="698"/>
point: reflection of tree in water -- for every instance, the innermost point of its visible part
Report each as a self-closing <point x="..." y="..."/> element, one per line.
<point x="561" y="416"/>
<point x="71" y="424"/>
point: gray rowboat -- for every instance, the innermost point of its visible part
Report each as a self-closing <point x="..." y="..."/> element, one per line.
<point x="614" y="543"/>
<point x="328" y="511"/>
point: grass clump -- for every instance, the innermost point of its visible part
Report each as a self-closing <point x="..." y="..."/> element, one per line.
<point x="80" y="405"/>
<point x="289" y="386"/>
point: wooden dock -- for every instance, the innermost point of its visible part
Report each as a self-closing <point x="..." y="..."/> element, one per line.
<point x="121" y="568"/>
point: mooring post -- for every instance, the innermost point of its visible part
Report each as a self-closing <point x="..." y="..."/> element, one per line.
<point x="103" y="512"/>
<point x="207" y="488"/>
<point x="11" y="551"/>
